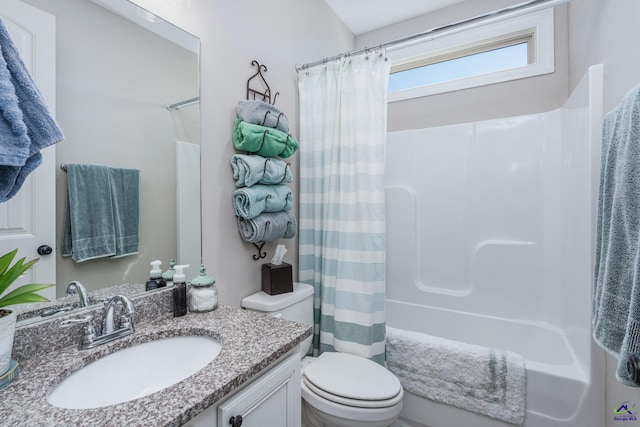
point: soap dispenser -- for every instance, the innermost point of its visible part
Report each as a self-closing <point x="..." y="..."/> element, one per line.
<point x="202" y="295"/>
<point x="155" y="277"/>
<point x="168" y="275"/>
<point x="179" y="292"/>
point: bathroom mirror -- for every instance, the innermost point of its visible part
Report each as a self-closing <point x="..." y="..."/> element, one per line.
<point x="118" y="70"/>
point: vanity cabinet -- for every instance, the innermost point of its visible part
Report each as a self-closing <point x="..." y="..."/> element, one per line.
<point x="273" y="399"/>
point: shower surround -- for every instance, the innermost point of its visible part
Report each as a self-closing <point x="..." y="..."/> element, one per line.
<point x="490" y="230"/>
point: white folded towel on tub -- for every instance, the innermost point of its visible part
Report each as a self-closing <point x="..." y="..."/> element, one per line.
<point x="479" y="379"/>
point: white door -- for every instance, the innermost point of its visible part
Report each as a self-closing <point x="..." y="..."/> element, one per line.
<point x="27" y="221"/>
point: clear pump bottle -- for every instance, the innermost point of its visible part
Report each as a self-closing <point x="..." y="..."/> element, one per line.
<point x="155" y="277"/>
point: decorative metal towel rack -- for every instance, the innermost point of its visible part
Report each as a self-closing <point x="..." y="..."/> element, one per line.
<point x="264" y="93"/>
<point x="258" y="89"/>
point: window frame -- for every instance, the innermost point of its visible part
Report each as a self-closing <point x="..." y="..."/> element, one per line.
<point x="536" y="28"/>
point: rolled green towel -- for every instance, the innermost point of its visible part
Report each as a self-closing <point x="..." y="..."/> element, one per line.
<point x="263" y="140"/>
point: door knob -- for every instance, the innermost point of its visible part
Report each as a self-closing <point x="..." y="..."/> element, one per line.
<point x="44" y="250"/>
<point x="236" y="421"/>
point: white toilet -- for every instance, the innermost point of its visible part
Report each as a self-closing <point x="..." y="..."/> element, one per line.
<point x="338" y="389"/>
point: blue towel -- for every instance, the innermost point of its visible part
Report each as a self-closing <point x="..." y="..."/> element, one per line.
<point x="262" y="113"/>
<point x="249" y="202"/>
<point x="268" y="227"/>
<point x="26" y="126"/>
<point x="616" y="297"/>
<point x="102" y="212"/>
<point x="252" y="169"/>
<point x="125" y="185"/>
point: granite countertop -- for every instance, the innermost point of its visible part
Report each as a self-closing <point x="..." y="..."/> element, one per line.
<point x="250" y="342"/>
<point x="31" y="312"/>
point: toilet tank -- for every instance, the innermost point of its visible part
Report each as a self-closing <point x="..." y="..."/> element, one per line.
<point x="296" y="306"/>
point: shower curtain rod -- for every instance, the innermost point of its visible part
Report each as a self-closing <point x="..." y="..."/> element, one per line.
<point x="510" y="11"/>
<point x="184" y="103"/>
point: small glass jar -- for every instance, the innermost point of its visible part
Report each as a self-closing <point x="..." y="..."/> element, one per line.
<point x="202" y="295"/>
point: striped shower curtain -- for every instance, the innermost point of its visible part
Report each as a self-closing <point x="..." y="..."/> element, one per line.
<point x="343" y="116"/>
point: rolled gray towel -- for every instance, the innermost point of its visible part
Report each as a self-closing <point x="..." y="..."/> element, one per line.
<point x="261" y="113"/>
<point x="268" y="227"/>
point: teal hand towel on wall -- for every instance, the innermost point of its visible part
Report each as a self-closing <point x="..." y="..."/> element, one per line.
<point x="88" y="222"/>
<point x="616" y="296"/>
<point x="125" y="185"/>
<point x="102" y="212"/>
<point x="263" y="141"/>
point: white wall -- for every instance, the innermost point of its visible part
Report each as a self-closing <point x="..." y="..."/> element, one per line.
<point x="279" y="34"/>
<point x="607" y="32"/>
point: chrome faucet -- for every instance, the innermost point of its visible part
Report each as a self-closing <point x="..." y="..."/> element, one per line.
<point x="126" y="314"/>
<point x="89" y="338"/>
<point x="76" y="287"/>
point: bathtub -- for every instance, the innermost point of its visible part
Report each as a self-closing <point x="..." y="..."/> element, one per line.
<point x="557" y="390"/>
<point x="490" y="231"/>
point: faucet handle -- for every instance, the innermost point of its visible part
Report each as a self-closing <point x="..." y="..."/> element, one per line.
<point x="88" y="331"/>
<point x="71" y="322"/>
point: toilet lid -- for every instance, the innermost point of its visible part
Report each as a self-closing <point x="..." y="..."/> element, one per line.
<point x="352" y="377"/>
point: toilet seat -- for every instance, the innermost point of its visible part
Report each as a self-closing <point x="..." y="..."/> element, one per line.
<point x="353" y="381"/>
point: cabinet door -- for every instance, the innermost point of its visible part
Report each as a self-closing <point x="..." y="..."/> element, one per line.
<point x="273" y="400"/>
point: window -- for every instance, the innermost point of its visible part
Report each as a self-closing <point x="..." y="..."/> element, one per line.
<point x="507" y="50"/>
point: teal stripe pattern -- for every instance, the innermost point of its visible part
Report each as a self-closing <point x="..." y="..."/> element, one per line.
<point x="342" y="205"/>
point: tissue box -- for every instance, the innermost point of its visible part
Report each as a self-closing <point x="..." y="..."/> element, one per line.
<point x="277" y="279"/>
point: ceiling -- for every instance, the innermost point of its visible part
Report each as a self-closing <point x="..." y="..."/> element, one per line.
<point x="366" y="15"/>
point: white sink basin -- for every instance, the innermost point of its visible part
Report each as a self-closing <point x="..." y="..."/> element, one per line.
<point x="135" y="372"/>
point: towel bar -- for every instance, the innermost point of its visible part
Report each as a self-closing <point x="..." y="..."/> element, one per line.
<point x="63" y="166"/>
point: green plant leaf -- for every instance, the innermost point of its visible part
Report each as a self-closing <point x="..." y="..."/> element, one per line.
<point x="23" y="294"/>
<point x="8" y="275"/>
<point x="22" y="299"/>
<point x="6" y="259"/>
<point x="13" y="273"/>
